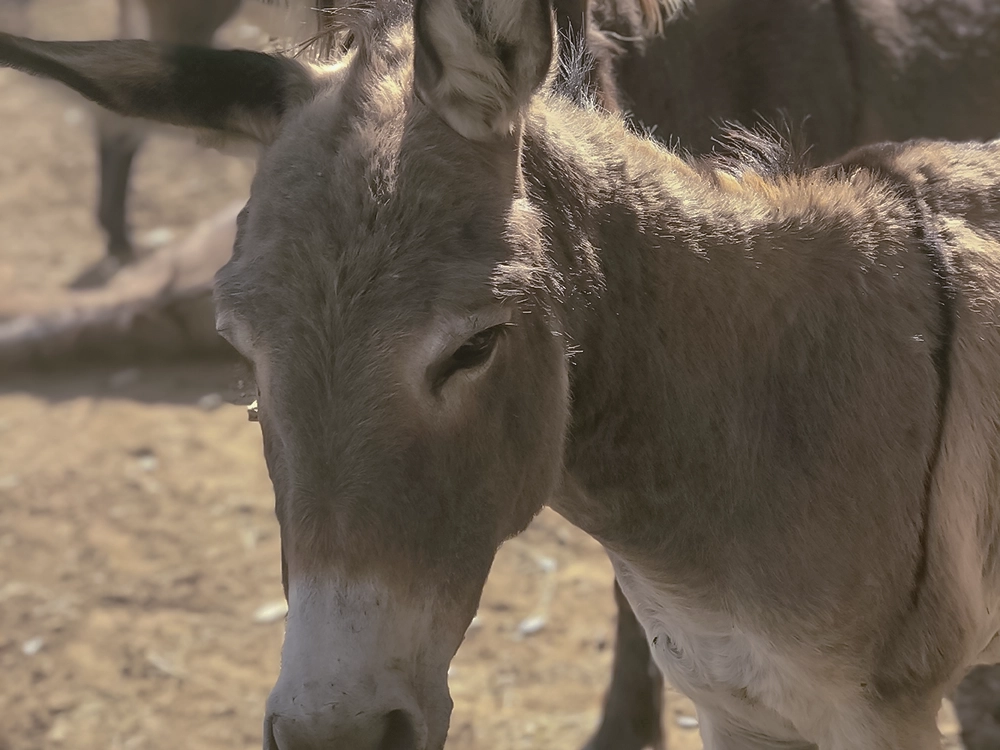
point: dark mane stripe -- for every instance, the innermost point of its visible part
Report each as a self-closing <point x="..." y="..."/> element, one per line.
<point x="575" y="74"/>
<point x="770" y="150"/>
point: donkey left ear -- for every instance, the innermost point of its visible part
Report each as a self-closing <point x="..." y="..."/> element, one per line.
<point x="478" y="62"/>
<point x="231" y="92"/>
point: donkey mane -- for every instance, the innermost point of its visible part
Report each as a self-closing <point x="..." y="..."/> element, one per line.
<point x="771" y="150"/>
<point x="575" y="61"/>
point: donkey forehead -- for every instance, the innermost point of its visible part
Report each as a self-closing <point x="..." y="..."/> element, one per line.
<point x="392" y="217"/>
<point x="366" y="145"/>
<point x="343" y="285"/>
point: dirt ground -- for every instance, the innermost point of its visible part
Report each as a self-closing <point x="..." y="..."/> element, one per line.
<point x="139" y="578"/>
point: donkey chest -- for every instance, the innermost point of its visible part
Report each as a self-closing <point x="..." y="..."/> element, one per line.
<point x="724" y="666"/>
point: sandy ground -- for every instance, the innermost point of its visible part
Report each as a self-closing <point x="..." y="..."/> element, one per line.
<point x="138" y="550"/>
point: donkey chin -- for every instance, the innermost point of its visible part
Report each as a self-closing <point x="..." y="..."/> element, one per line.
<point x="362" y="668"/>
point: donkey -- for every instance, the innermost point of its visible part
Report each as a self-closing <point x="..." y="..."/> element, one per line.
<point x="849" y="72"/>
<point x="771" y="395"/>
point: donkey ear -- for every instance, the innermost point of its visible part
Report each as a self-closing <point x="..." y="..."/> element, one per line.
<point x="236" y="92"/>
<point x="477" y="62"/>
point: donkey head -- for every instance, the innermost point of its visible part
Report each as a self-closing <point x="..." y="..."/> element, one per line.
<point x="391" y="288"/>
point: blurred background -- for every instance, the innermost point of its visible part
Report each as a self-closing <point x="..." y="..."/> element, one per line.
<point x="140" y="594"/>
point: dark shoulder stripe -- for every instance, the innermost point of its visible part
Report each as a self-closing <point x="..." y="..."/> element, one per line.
<point x="928" y="237"/>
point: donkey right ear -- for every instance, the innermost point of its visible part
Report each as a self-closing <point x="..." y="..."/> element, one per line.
<point x="478" y="62"/>
<point x="235" y="92"/>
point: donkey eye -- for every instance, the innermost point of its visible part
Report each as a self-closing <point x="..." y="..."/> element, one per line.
<point x="473" y="353"/>
<point x="477" y="349"/>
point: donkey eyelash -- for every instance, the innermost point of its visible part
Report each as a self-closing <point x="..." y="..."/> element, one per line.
<point x="474" y="352"/>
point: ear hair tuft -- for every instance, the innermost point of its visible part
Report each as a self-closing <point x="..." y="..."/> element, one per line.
<point x="478" y="62"/>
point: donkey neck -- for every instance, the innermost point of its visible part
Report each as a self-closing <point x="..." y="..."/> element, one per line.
<point x="680" y="280"/>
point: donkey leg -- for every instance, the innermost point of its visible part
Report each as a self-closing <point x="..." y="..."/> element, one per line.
<point x="117" y="146"/>
<point x="977" y="705"/>
<point x="634" y="701"/>
<point x="118" y="141"/>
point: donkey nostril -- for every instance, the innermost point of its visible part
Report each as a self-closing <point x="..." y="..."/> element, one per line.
<point x="399" y="732"/>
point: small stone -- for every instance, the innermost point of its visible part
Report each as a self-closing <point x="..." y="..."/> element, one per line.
<point x="32" y="646"/>
<point x="547" y="564"/>
<point x="59" y="731"/>
<point x="163" y="664"/>
<point x="13" y="589"/>
<point x="210" y="402"/>
<point x="249" y="537"/>
<point x="531" y="625"/>
<point x="157" y="237"/>
<point x="270" y="612"/>
<point x="686" y="722"/>
<point x="148" y="462"/>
